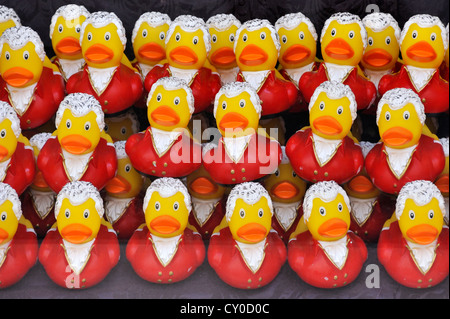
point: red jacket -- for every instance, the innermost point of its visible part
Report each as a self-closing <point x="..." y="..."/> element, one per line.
<point x="181" y="159"/>
<point x="41" y="224"/>
<point x="261" y="157"/>
<point x="427" y="162"/>
<point x="396" y="257"/>
<point x="104" y="255"/>
<point x="100" y="169"/>
<point x="49" y="92"/>
<point x="277" y="95"/>
<point x="212" y="222"/>
<point x="308" y="259"/>
<point x="347" y="161"/>
<point x="434" y="95"/>
<point x="204" y="84"/>
<point x="123" y="90"/>
<point x="21" y="170"/>
<point x="20" y="256"/>
<point x="365" y="91"/>
<point x="225" y="258"/>
<point x="189" y="254"/>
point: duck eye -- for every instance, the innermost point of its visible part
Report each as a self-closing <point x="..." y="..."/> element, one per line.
<point x="3" y="216"/>
<point x="231" y="37"/>
<point x="67" y="213"/>
<point x="387" y="116"/>
<point x="260" y="213"/>
<point x="433" y="36"/>
<point x="351" y="34"/>
<point x="430" y="214"/>
<point x="242" y="103"/>
<point x="162" y="35"/>
<point x="26" y="55"/>
<point x="370" y="40"/>
<point x="340" y="109"/>
<point x="86" y="213"/>
<point x="127" y="168"/>
<point x="340" y="207"/>
<point x="176" y="206"/>
<point x="333" y="32"/>
<point x="294" y="174"/>
<point x="322" y="211"/>
<point x="242" y="213"/>
<point x="3" y="133"/>
<point x="7" y="55"/>
<point x="60" y="28"/>
<point x="301" y="35"/>
<point x="388" y="40"/>
<point x="89" y="36"/>
<point x="277" y="173"/>
<point x="195" y="40"/>
<point x="262" y="35"/>
<point x="214" y="38"/>
<point x="159" y="97"/>
<point x="244" y="37"/>
<point x="414" y="34"/>
<point x="68" y="124"/>
<point x="87" y="126"/>
<point x="224" y="105"/>
<point x="284" y="39"/>
<point x="157" y="206"/>
<point x="321" y="106"/>
<point x="412" y="215"/>
<point x="106" y="128"/>
<point x="144" y="33"/>
<point x="176" y="101"/>
<point x="406" y="115"/>
<point x="77" y="29"/>
<point x="177" y="37"/>
<point x="107" y="36"/>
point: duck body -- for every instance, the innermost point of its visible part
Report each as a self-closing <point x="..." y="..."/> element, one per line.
<point x="38" y="208"/>
<point x="103" y="256"/>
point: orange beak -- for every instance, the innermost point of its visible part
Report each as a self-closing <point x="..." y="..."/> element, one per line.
<point x="360" y="184"/>
<point x="3" y="152"/>
<point x="296" y="53"/>
<point x="397" y="136"/>
<point x="99" y="53"/>
<point x="223" y="56"/>
<point x="203" y="185"/>
<point x="327" y="125"/>
<point x="69" y="46"/>
<point x="76" y="233"/>
<point x="422" y="234"/>
<point x="252" y="232"/>
<point x="152" y="51"/>
<point x="284" y="190"/>
<point x="421" y="51"/>
<point x="333" y="228"/>
<point x="39" y="180"/>
<point x="443" y="184"/>
<point x="233" y="120"/>
<point x="377" y="58"/>
<point x="183" y="55"/>
<point x="17" y="76"/>
<point x="165" y="224"/>
<point x="253" y="55"/>
<point x="339" y="49"/>
<point x="165" y="115"/>
<point x="75" y="144"/>
<point x="3" y="235"/>
<point x="117" y="185"/>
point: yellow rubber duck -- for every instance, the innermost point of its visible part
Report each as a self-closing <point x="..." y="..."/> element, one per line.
<point x="121" y="127"/>
<point x="442" y="182"/>
<point x="11" y="214"/>
<point x="222" y="28"/>
<point x="8" y="19"/>
<point x="149" y="40"/>
<point x="65" y="30"/>
<point x="382" y="52"/>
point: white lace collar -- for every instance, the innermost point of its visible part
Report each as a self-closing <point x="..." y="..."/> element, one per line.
<point x="236" y="146"/>
<point x="337" y="72"/>
<point x="115" y="207"/>
<point x="77" y="255"/>
<point x="228" y="75"/>
<point x="423" y="255"/>
<point x="43" y="202"/>
<point x="255" y="78"/>
<point x="420" y="76"/>
<point x="253" y="254"/>
<point x="361" y="208"/>
<point x="4" y="168"/>
<point x="21" y="98"/>
<point x="3" y="252"/>
<point x="70" y="67"/>
<point x="203" y="209"/>
<point x="185" y="74"/>
<point x="296" y="73"/>
<point x="144" y="69"/>
<point x="375" y="75"/>
<point x="163" y="140"/>
<point x="165" y="248"/>
<point x="336" y="251"/>
<point x="285" y="213"/>
<point x="100" y="78"/>
<point x="399" y="158"/>
<point x="75" y="165"/>
<point x="325" y="148"/>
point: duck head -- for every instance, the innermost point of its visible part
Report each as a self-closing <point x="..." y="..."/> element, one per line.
<point x="201" y="185"/>
<point x="10" y="131"/>
<point x="11" y="212"/>
<point x="8" y="19"/>
<point x="121" y="127"/>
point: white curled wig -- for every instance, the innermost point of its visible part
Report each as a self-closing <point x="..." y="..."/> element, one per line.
<point x="38" y="140"/>
<point x="335" y="90"/>
<point x="154" y="19"/>
<point x="7" y="14"/>
<point x="120" y="149"/>
<point x="189" y="23"/>
<point x="380" y="21"/>
<point x="223" y="21"/>
<point x="101" y="19"/>
<point x="8" y="193"/>
<point x="425" y="21"/>
<point x="167" y="187"/>
<point x="81" y="104"/>
<point x="398" y="98"/>
<point x="78" y="193"/>
<point x="68" y="12"/>
<point x="7" y="112"/>
<point x="19" y="36"/>
<point x="250" y="192"/>
<point x="292" y="20"/>
<point x="346" y="18"/>
<point x="421" y="192"/>
<point x="233" y="89"/>
<point x="327" y="191"/>
<point x="257" y="24"/>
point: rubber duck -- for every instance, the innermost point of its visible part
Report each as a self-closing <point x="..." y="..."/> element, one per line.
<point x="328" y="255"/>
<point x="242" y="154"/>
<point x="65" y="28"/>
<point x="166" y="143"/>
<point x="404" y="153"/>
<point x="79" y="149"/>
<point x="298" y="39"/>
<point x="149" y="45"/>
<point x="38" y="201"/>
<point x="257" y="48"/>
<point x="328" y="151"/>
<point x="222" y="28"/>
<point x="107" y="75"/>
<point x="413" y="246"/>
<point x="442" y="182"/>
<point x="423" y="43"/>
<point x="81" y="248"/>
<point x="18" y="241"/>
<point x="166" y="249"/>
<point x="120" y="127"/>
<point x="8" y="19"/>
<point x="370" y="208"/>
<point x="17" y="165"/>
<point x="33" y="89"/>
<point x="343" y="41"/>
<point x="208" y="202"/>
<point x="123" y="197"/>
<point x="187" y="45"/>
<point x="247" y="253"/>
<point x="286" y="190"/>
